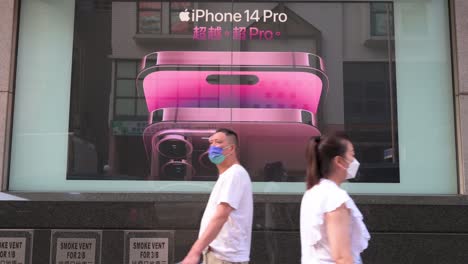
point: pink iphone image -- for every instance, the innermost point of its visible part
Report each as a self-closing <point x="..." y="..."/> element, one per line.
<point x="269" y="98"/>
<point x="278" y="80"/>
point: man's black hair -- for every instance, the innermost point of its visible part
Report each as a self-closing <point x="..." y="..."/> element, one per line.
<point x="229" y="132"/>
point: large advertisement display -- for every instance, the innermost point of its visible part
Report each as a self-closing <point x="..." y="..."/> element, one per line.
<point x="269" y="99"/>
<point x="123" y="95"/>
<point x="260" y="69"/>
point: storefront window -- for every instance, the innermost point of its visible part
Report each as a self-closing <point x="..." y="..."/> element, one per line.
<point x="103" y="105"/>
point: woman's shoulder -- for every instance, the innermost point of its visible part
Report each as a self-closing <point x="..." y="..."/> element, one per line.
<point x="326" y="196"/>
<point x="327" y="188"/>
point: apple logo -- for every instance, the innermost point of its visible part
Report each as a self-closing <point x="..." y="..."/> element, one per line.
<point x="184" y="16"/>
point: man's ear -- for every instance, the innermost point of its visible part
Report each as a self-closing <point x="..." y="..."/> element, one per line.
<point x="233" y="147"/>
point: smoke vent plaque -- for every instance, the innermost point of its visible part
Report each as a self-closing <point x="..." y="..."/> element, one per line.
<point x="75" y="247"/>
<point x="15" y="246"/>
<point x="149" y="247"/>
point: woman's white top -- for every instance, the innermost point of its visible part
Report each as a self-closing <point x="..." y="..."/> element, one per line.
<point x="323" y="198"/>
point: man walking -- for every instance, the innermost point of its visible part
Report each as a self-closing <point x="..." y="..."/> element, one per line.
<point x="226" y="226"/>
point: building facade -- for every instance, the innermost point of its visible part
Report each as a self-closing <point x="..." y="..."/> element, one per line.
<point x="103" y="143"/>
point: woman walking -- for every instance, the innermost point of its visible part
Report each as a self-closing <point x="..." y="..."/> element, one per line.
<point x="332" y="228"/>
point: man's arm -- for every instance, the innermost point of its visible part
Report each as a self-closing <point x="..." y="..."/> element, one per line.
<point x="223" y="210"/>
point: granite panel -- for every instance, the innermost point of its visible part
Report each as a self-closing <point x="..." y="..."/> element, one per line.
<point x="461" y="31"/>
<point x="7" y="39"/>
<point x="275" y="247"/>
<point x="5" y="98"/>
<point x="279" y="217"/>
<point x="416" y="218"/>
<point x="258" y="198"/>
<point x="381" y="218"/>
<point x="77" y="215"/>
<point x="112" y="246"/>
<point x="41" y="246"/>
<point x="411" y="248"/>
<point x="276" y="216"/>
<point x="463" y="100"/>
<point x="184" y="241"/>
<point x="179" y="215"/>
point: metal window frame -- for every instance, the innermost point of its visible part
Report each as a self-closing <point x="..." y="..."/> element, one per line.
<point x="138" y="31"/>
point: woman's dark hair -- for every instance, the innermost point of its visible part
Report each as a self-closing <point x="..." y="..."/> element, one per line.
<point x="320" y="152"/>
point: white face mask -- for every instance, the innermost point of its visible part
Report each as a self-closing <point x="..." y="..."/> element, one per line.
<point x="352" y="169"/>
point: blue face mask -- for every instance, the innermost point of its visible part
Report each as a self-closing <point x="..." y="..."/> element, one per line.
<point x="215" y="154"/>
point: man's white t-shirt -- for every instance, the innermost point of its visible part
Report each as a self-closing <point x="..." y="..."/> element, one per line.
<point x="233" y="241"/>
